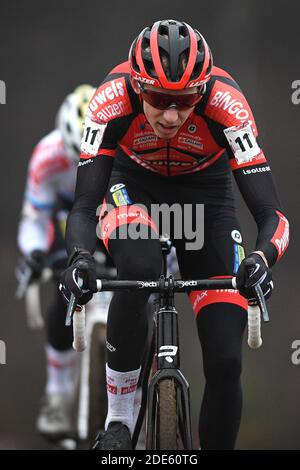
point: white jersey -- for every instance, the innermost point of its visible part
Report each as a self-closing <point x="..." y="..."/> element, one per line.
<point x="51" y="175"/>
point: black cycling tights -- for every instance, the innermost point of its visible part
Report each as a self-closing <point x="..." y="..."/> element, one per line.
<point x="220" y="329"/>
<point x="127" y="325"/>
<point x="220" y="326"/>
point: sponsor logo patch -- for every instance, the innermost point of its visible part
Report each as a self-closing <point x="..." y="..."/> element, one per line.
<point x="110" y="101"/>
<point x="108" y="92"/>
<point x="115" y="187"/>
<point x="236" y="236"/>
<point x="150" y="81"/>
<point x="145" y="140"/>
<point x="239" y="255"/>
<point x="225" y="101"/>
<point x="262" y="169"/>
<point x="190" y="142"/>
<point x="121" y="197"/>
<point x="199" y="298"/>
<point x="199" y="83"/>
<point x="226" y="104"/>
<point x="85" y="162"/>
<point x="281" y="236"/>
<point x="192" y="128"/>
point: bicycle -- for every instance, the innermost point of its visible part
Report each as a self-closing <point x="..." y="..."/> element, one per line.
<point x="167" y="394"/>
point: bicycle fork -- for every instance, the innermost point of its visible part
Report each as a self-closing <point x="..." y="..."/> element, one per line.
<point x="168" y="367"/>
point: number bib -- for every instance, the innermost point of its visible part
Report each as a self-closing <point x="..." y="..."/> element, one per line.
<point x="92" y="136"/>
<point x="242" y="142"/>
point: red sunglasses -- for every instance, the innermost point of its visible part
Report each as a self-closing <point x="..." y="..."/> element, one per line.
<point x="165" y="100"/>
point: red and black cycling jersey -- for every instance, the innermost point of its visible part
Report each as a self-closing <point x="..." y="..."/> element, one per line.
<point x="219" y="136"/>
<point x="199" y="143"/>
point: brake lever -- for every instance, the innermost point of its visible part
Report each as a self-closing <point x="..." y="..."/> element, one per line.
<point x="260" y="298"/>
<point x="72" y="304"/>
<point x="262" y="303"/>
<point x="23" y="283"/>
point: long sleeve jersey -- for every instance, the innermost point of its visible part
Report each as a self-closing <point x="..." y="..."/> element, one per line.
<point x="219" y="136"/>
<point x="51" y="175"/>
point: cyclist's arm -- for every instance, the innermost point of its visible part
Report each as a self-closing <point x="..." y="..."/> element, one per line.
<point x="35" y="227"/>
<point x="232" y="123"/>
<point x="34" y="232"/>
<point x="92" y="180"/>
<point x="257" y="186"/>
<point x="103" y="130"/>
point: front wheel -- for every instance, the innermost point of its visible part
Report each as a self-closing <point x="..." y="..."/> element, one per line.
<point x="167" y="417"/>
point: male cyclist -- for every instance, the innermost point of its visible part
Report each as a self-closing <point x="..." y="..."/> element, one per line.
<point x="166" y="127"/>
<point x="48" y="198"/>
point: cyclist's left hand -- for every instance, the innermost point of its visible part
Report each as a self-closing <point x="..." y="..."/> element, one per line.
<point x="254" y="271"/>
<point x="35" y="262"/>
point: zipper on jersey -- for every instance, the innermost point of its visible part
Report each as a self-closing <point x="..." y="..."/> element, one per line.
<point x="168" y="159"/>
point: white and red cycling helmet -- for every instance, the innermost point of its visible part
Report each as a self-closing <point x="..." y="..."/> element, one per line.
<point x="70" y="118"/>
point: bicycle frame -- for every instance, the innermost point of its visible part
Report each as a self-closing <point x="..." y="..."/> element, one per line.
<point x="168" y="366"/>
<point x="167" y="344"/>
<point x="167" y="354"/>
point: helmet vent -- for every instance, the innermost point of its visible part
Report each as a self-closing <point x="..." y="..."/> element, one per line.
<point x="199" y="58"/>
<point x="147" y="56"/>
<point x="133" y="58"/>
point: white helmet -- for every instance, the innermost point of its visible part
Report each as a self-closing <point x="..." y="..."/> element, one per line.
<point x="70" y="118"/>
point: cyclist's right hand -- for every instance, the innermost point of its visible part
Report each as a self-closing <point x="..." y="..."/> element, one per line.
<point x="34" y="263"/>
<point x="83" y="265"/>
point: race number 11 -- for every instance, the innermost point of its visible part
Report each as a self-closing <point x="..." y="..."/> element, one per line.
<point x="242" y="142"/>
<point x="92" y="136"/>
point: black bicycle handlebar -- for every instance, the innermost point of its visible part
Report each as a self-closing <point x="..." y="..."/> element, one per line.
<point x="167" y="285"/>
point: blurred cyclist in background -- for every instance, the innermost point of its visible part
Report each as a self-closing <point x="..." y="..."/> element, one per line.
<point x="48" y="199"/>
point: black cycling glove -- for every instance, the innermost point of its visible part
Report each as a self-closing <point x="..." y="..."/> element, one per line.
<point x="31" y="265"/>
<point x="81" y="264"/>
<point x="254" y="271"/>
